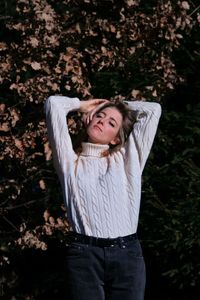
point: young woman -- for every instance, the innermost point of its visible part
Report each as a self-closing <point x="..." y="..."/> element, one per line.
<point x="102" y="189"/>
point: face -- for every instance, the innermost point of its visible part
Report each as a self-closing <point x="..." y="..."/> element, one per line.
<point x="104" y="127"/>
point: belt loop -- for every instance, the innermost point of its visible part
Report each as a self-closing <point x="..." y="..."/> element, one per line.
<point x="91" y="241"/>
<point x="122" y="243"/>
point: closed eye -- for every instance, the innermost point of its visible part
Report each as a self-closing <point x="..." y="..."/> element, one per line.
<point x="112" y="124"/>
<point x="99" y="115"/>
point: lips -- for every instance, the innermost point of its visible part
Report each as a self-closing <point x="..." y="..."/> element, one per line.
<point x="96" y="126"/>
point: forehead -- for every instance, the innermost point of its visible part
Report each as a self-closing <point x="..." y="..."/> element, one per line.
<point x="112" y="112"/>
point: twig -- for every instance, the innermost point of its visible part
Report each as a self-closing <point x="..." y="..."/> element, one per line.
<point x="197" y="8"/>
<point x="10" y="223"/>
<point x="24" y="204"/>
<point x="5" y="17"/>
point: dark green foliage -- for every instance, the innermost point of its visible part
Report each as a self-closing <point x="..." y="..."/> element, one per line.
<point x="170" y="218"/>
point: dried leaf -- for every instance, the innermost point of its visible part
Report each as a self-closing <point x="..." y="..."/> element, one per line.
<point x="135" y="93"/>
<point x="19" y="144"/>
<point x="132" y="3"/>
<point x="112" y="28"/>
<point x="47" y="151"/>
<point x="46" y="215"/>
<point x="42" y="184"/>
<point x="4" y="127"/>
<point x="154" y="93"/>
<point x="185" y="5"/>
<point x="2" y="108"/>
<point x="15" y="117"/>
<point x="35" y="65"/>
<point x="3" y="46"/>
<point x="34" y="42"/>
<point x="51" y="220"/>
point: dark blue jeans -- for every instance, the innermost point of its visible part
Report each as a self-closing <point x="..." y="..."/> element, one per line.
<point x="105" y="273"/>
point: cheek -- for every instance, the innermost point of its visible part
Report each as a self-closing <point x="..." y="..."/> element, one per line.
<point x="112" y="132"/>
<point x="91" y="123"/>
<point x="89" y="129"/>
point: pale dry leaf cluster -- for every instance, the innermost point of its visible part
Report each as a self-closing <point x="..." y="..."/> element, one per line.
<point x="34" y="238"/>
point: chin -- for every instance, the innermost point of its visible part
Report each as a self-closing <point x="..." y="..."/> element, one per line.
<point x="93" y="138"/>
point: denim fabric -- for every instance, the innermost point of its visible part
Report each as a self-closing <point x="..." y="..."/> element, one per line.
<point x="109" y="273"/>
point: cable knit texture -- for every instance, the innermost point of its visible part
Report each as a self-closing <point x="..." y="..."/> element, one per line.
<point x="101" y="193"/>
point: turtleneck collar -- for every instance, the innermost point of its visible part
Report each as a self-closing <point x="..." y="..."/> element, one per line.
<point x="96" y="150"/>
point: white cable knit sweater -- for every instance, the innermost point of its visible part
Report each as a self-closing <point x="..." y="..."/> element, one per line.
<point x="101" y="194"/>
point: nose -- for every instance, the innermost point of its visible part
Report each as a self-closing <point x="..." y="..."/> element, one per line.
<point x="100" y="121"/>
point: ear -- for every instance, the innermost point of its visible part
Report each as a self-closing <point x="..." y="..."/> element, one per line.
<point x="115" y="141"/>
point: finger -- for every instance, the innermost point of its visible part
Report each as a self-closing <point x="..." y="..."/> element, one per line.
<point x="92" y="113"/>
<point x="88" y="120"/>
<point x="100" y="101"/>
<point x="84" y="118"/>
<point x="94" y="110"/>
<point x="103" y="101"/>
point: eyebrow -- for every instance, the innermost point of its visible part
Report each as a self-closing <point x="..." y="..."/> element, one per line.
<point x="113" y="119"/>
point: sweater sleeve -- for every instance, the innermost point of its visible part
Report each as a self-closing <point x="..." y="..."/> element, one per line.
<point x="145" y="127"/>
<point x="56" y="110"/>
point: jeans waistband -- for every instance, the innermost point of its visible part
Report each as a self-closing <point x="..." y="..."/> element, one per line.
<point x="100" y="242"/>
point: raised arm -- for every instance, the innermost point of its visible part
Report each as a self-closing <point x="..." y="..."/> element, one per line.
<point x="56" y="109"/>
<point x="144" y="130"/>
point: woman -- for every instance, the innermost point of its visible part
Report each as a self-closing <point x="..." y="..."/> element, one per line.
<point x="102" y="189"/>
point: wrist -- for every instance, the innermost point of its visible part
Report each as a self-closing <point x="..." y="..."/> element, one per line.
<point x="82" y="107"/>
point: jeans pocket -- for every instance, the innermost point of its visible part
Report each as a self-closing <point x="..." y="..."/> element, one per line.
<point x="135" y="249"/>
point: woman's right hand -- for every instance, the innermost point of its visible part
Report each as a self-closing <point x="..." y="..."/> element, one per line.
<point x="89" y="108"/>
